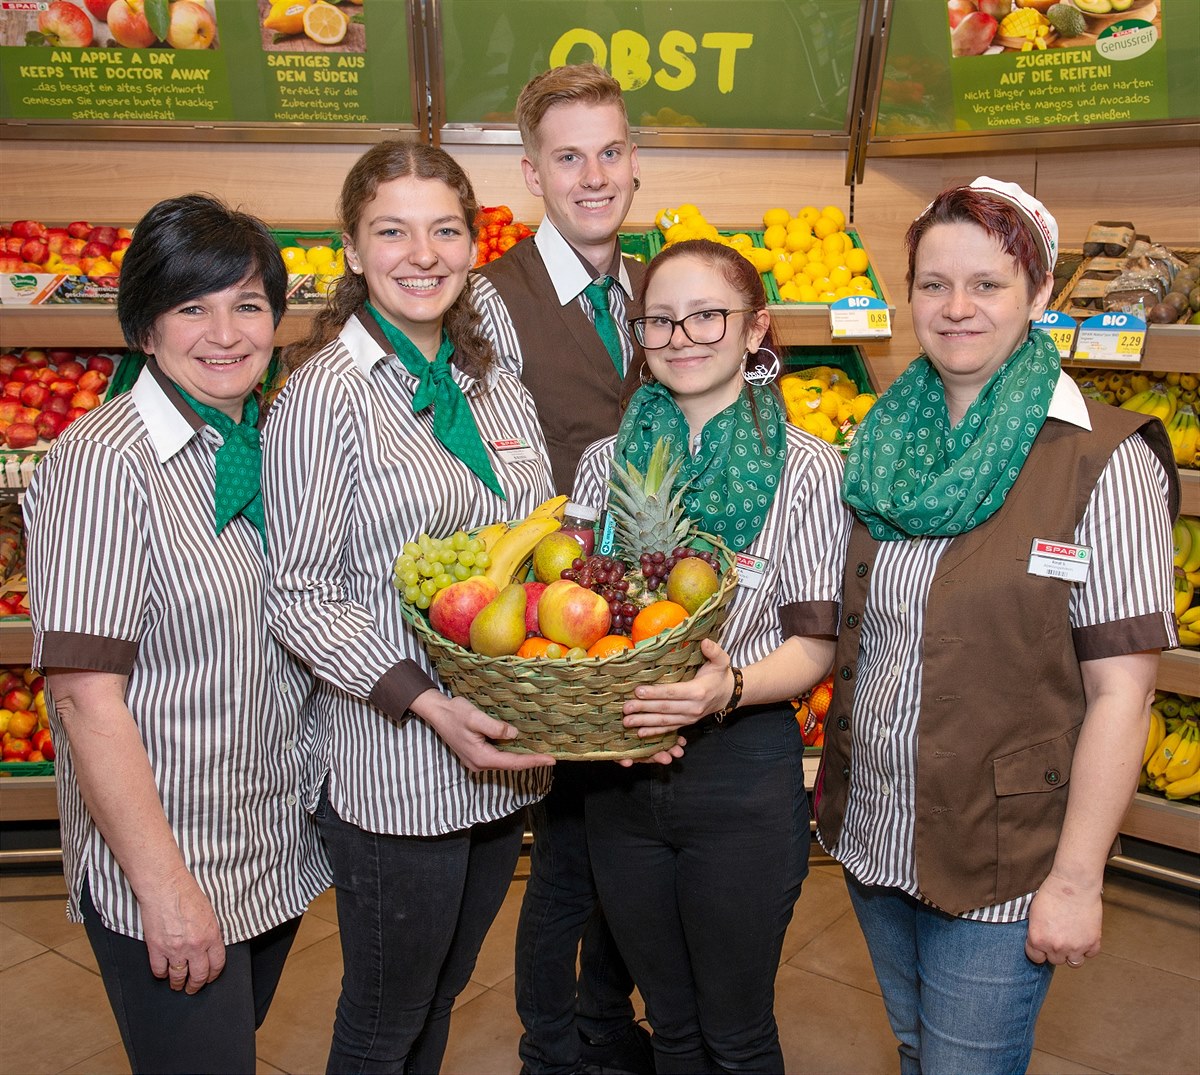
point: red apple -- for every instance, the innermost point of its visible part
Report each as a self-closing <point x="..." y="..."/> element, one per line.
<point x="10" y="681"/>
<point x="102" y="364"/>
<point x="12" y="390"/>
<point x="34" y="394"/>
<point x="61" y="390"/>
<point x="16" y="750"/>
<point x="42" y="735"/>
<point x="8" y="363"/>
<point x="95" y="249"/>
<point x="191" y="27"/>
<point x="65" y="25"/>
<point x="99" y="8"/>
<point x="84" y="400"/>
<point x="453" y="608"/>
<point x="121" y="242"/>
<point x="74" y="413"/>
<point x="9" y="409"/>
<point x="9" y="263"/>
<point x="58" y="403"/>
<point x="35" y="357"/>
<point x="57" y="357"/>
<point x="79" y="229"/>
<point x="35" y="251"/>
<point x="92" y="381"/>
<point x="44" y="377"/>
<point x="73" y="247"/>
<point x="973" y="35"/>
<point x="18" y="698"/>
<point x="71" y="370"/>
<point x="20" y="435"/>
<point x="49" y="425"/>
<point x="129" y="27"/>
<point x="124" y="233"/>
<point x="533" y="594"/>
<point x="105" y="234"/>
<point x="28" y="229"/>
<point x="572" y="615"/>
<point x="24" y="373"/>
<point x="55" y="237"/>
<point x="959" y="10"/>
<point x="13" y="244"/>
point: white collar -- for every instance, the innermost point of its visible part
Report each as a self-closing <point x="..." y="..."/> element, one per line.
<point x="166" y="426"/>
<point x="567" y="272"/>
<point x="365" y="353"/>
<point x="1067" y="403"/>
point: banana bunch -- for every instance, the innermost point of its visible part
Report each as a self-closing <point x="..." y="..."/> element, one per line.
<point x="1171" y="759"/>
<point x="1173" y="398"/>
<point x="510" y="547"/>
<point x="1156" y="401"/>
<point x="821" y="400"/>
<point x="1184" y="431"/>
<point x="1185" y="537"/>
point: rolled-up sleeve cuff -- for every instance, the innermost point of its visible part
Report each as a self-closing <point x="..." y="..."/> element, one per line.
<point x="1133" y="635"/>
<point x="95" y="653"/>
<point x="809" y="619"/>
<point x="398" y="687"/>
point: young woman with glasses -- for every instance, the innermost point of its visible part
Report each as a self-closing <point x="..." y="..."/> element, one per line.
<point x="699" y="860"/>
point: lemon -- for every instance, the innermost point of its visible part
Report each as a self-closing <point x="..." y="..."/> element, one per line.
<point x="776" y="216"/>
<point x="823" y="226"/>
<point x="324" y="24"/>
<point x="789" y="292"/>
<point x="833" y="213"/>
<point x="861" y="283"/>
<point x="825" y="296"/>
<point x="860" y="404"/>
<point x="839" y="276"/>
<point x="775" y="237"/>
<point x="808" y="293"/>
<point x="857" y="260"/>
<point x="835" y="244"/>
<point x="740" y="241"/>
<point x="321" y="256"/>
<point x="844" y="292"/>
<point x="809" y="214"/>
<point x="798" y="261"/>
<point x="821" y="283"/>
<point x="763" y="260"/>
<point x="287" y="16"/>
<point x="814" y="270"/>
<point x="799" y="240"/>
<point x="295" y="258"/>
<point x="783" y="272"/>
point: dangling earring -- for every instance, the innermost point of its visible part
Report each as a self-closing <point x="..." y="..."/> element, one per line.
<point x="760" y="373"/>
<point x="643" y="380"/>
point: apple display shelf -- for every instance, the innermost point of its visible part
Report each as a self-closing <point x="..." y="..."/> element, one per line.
<point x="573" y="709"/>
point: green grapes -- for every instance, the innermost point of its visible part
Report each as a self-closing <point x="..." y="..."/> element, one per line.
<point x="430" y="564"/>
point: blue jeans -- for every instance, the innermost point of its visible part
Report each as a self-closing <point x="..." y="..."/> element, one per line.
<point x="699" y="865"/>
<point x="561" y="921"/>
<point x="412" y="912"/>
<point x="962" y="996"/>
<point x="165" y="1031"/>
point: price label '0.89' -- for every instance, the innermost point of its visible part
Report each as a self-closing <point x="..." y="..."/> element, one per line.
<point x="859" y="316"/>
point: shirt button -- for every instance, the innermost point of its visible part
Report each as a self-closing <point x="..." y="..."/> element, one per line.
<point x="289" y="744"/>
<point x="884" y="733"/>
<point x="284" y="686"/>
<point x="291" y="800"/>
<point x="860" y="570"/>
<point x="885" y="790"/>
<point x="895" y="670"/>
<point x="903" y="606"/>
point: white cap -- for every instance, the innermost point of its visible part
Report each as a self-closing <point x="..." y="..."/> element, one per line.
<point x="1043" y="225"/>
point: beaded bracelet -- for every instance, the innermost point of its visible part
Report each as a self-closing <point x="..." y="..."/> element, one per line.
<point x="734" y="698"/>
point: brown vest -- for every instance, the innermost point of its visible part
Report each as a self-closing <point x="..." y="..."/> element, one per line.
<point x="1001" y="693"/>
<point x="564" y="365"/>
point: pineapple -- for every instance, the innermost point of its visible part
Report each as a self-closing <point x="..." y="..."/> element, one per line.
<point x="646" y="517"/>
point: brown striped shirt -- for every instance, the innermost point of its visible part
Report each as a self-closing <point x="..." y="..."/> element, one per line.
<point x="1124" y="524"/>
<point x="790" y="579"/>
<point x="126" y="576"/>
<point x="349" y="475"/>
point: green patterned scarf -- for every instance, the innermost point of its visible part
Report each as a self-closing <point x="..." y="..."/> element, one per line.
<point x="731" y="479"/>
<point x="238" y="489"/>
<point x="453" y="423"/>
<point x="909" y="474"/>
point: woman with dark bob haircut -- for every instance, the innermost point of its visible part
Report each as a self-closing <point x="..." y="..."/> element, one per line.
<point x="181" y="724"/>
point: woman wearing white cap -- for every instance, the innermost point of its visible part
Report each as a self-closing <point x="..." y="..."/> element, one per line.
<point x="1007" y="590"/>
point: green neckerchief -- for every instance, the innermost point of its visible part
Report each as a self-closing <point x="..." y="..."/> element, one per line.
<point x="238" y="487"/>
<point x="731" y="479"/>
<point x="453" y="423"/>
<point x="909" y="474"/>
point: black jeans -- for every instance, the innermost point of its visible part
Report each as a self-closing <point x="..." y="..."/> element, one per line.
<point x="412" y="912"/>
<point x="560" y="910"/>
<point x="165" y="1031"/>
<point x="699" y="865"/>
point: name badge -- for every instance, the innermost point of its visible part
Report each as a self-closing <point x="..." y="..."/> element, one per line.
<point x="514" y="450"/>
<point x="1058" y="560"/>
<point x="750" y="570"/>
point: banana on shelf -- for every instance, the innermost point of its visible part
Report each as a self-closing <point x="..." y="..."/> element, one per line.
<point x="1185" y="538"/>
<point x="1171" y="758"/>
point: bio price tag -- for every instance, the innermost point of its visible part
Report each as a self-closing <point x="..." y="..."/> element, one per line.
<point x="1061" y="329"/>
<point x="750" y="570"/>
<point x="1115" y="337"/>
<point x="859" y="316"/>
<point x="1058" y="560"/>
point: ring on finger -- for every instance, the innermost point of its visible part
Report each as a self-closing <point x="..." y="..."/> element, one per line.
<point x="178" y="966"/>
<point x="1072" y="963"/>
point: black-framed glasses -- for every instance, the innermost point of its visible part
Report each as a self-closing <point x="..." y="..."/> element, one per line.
<point x="703" y="326"/>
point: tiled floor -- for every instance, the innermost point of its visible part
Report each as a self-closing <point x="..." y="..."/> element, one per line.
<point x="1134" y="1009"/>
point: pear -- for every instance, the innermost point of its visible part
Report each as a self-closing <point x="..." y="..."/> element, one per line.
<point x="499" y="628"/>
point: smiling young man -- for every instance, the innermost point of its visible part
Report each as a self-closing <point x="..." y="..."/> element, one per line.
<point x="556" y="308"/>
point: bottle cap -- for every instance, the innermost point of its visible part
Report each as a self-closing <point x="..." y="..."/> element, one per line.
<point x="579" y="511"/>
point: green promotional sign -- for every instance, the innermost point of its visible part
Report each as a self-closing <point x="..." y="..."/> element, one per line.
<point x="953" y="68"/>
<point x="752" y="65"/>
<point x="206" y="61"/>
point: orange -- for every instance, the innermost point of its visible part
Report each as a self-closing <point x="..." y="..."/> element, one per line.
<point x="657" y="617"/>
<point x="609" y="645"/>
<point x="533" y="647"/>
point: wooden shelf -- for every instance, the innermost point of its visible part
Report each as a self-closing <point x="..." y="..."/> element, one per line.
<point x="1179" y="671"/>
<point x="28" y="798"/>
<point x="16" y="642"/>
<point x="1169" y="349"/>
<point x="1173" y="824"/>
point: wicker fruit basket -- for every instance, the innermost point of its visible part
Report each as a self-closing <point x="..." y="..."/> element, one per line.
<point x="572" y="709"/>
